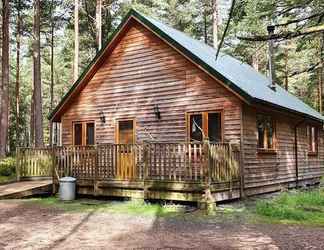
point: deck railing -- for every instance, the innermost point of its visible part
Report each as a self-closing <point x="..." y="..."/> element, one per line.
<point x="194" y="162"/>
<point x="34" y="162"/>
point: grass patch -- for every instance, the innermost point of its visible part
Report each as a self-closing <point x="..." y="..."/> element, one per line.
<point x="298" y="207"/>
<point x="126" y="207"/>
<point x="5" y="179"/>
<point x="293" y="207"/>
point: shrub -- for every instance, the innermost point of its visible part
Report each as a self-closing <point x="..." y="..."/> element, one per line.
<point x="7" y="166"/>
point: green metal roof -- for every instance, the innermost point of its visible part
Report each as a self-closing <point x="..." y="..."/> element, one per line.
<point x="240" y="77"/>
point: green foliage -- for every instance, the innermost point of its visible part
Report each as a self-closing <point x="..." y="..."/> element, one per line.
<point x="302" y="207"/>
<point x="8" y="166"/>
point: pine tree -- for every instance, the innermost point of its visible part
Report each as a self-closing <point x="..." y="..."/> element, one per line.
<point x="4" y="87"/>
<point x="38" y="109"/>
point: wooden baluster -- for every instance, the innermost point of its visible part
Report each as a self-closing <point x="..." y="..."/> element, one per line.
<point x="163" y="161"/>
<point x="185" y="169"/>
<point x="203" y="153"/>
<point x="179" y="162"/>
<point x="195" y="161"/>
<point x="189" y="161"/>
<point x="174" y="161"/>
<point x="160" y="161"/>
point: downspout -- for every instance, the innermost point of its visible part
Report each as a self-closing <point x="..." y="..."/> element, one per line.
<point x="296" y="150"/>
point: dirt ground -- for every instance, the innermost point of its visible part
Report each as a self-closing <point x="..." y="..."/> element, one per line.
<point x="30" y="226"/>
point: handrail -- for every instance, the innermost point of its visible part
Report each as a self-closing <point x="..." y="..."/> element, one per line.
<point x="163" y="161"/>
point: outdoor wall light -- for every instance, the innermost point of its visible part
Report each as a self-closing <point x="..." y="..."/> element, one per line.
<point x="102" y="117"/>
<point x="157" y="111"/>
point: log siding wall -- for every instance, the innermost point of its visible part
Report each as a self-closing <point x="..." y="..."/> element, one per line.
<point x="143" y="71"/>
<point x="262" y="169"/>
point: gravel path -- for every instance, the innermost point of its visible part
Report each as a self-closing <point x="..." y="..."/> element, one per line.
<point x="28" y="226"/>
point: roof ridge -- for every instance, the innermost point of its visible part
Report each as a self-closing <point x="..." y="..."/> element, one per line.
<point x="240" y="77"/>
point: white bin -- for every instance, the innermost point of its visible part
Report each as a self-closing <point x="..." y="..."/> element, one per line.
<point x="67" y="189"/>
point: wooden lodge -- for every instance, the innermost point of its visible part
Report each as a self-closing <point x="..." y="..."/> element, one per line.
<point x="156" y="116"/>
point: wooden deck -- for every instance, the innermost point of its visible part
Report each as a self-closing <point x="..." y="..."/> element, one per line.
<point x="167" y="171"/>
<point x="23" y="189"/>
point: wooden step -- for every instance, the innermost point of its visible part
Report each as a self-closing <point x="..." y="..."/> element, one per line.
<point x="23" y="189"/>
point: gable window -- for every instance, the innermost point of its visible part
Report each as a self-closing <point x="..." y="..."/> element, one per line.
<point x="266" y="132"/>
<point x="205" y="124"/>
<point x="312" y="139"/>
<point x="83" y="133"/>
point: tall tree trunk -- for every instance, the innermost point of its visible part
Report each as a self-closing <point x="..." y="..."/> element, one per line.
<point x="32" y="121"/>
<point x="205" y="24"/>
<point x="76" y="41"/>
<point x="18" y="73"/>
<point x="38" y="112"/>
<point x="215" y="23"/>
<point x="4" y="88"/>
<point x="321" y="74"/>
<point x="52" y="71"/>
<point x="98" y="23"/>
<point x="286" y="67"/>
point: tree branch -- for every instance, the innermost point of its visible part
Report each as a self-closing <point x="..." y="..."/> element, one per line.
<point x="290" y="8"/>
<point x="311" y="68"/>
<point x="301" y="19"/>
<point x="284" y="35"/>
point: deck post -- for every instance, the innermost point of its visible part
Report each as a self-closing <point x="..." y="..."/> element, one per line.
<point x="54" y="191"/>
<point x="145" y="173"/>
<point x="18" y="166"/>
<point x="207" y="202"/>
<point x="95" y="181"/>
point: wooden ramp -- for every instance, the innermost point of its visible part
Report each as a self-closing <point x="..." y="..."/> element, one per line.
<point x="23" y="189"/>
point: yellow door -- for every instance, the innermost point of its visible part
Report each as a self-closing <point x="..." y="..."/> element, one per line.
<point x="125" y="151"/>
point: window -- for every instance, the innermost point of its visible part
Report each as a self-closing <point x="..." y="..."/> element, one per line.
<point x="78" y="134"/>
<point x="83" y="133"/>
<point x="205" y="124"/>
<point x="196" y="128"/>
<point x="90" y="133"/>
<point x="312" y="139"/>
<point x="125" y="132"/>
<point x="214" y="127"/>
<point x="266" y="132"/>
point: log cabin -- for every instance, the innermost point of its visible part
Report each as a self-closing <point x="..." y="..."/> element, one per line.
<point x="154" y="115"/>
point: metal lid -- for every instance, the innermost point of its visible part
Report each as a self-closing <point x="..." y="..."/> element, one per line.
<point x="68" y="179"/>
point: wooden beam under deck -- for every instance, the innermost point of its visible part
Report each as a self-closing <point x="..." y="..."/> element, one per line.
<point x="157" y="189"/>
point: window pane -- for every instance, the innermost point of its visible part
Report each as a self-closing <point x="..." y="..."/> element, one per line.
<point x="78" y="134"/>
<point x="269" y="131"/>
<point x="261" y="129"/>
<point x="196" y="127"/>
<point x="126" y="132"/>
<point x="265" y="132"/>
<point x="214" y="127"/>
<point x="90" y="134"/>
<point x="312" y="140"/>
